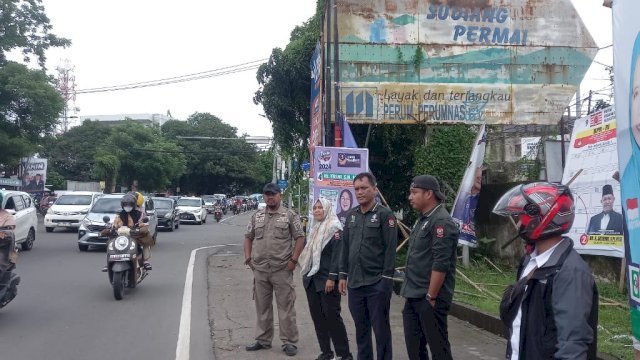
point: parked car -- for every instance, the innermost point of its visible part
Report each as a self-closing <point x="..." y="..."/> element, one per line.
<point x="69" y="209"/>
<point x="192" y="210"/>
<point x="109" y="205"/>
<point x="21" y="206"/>
<point x="167" y="212"/>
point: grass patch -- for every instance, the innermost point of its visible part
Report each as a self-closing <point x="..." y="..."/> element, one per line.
<point x="614" y="325"/>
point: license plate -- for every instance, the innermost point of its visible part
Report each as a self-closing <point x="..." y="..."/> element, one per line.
<point x="119" y="256"/>
<point x="65" y="224"/>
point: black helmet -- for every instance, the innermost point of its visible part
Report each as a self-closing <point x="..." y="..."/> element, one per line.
<point x="128" y="200"/>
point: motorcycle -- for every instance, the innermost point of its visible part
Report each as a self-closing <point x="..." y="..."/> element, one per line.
<point x="125" y="264"/>
<point x="236" y="209"/>
<point x="217" y="213"/>
<point x="8" y="279"/>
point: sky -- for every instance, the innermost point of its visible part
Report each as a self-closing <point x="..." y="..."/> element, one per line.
<point x="122" y="41"/>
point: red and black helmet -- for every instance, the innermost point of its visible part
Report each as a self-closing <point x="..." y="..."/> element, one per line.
<point x="543" y="209"/>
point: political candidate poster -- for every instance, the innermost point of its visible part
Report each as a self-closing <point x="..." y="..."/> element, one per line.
<point x="626" y="55"/>
<point x="464" y="208"/>
<point x="34" y="174"/>
<point x="598" y="225"/>
<point x="334" y="172"/>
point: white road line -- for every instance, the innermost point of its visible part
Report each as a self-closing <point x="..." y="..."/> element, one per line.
<point x="184" y="332"/>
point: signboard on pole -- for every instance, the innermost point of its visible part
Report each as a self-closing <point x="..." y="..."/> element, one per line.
<point x="34" y="174"/>
<point x="316" y="134"/>
<point x="598" y="225"/>
<point x="464" y="208"/>
<point x="626" y="65"/>
<point x="335" y="169"/>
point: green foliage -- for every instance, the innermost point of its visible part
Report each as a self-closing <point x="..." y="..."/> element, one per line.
<point x="55" y="181"/>
<point x="29" y="109"/>
<point x="446" y="156"/>
<point x="25" y="26"/>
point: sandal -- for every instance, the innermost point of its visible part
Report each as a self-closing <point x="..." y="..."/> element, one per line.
<point x="147" y="266"/>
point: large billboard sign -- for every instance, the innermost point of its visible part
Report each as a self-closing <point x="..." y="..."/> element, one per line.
<point x="626" y="65"/>
<point x="464" y="61"/>
<point x="34" y="174"/>
<point x="598" y="225"/>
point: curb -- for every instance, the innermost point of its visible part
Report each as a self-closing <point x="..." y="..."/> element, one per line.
<point x="492" y="323"/>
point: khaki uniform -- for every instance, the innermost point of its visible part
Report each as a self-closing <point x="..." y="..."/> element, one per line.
<point x="273" y="236"/>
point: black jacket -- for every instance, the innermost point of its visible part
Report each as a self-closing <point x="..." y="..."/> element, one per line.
<point x="328" y="260"/>
<point x="615" y="223"/>
<point x="559" y="321"/>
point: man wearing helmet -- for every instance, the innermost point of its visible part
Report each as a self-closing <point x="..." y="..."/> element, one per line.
<point x="130" y="216"/>
<point x="551" y="312"/>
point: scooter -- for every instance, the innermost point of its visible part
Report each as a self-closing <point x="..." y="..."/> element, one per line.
<point x="8" y="279"/>
<point x="217" y="213"/>
<point x="125" y="264"/>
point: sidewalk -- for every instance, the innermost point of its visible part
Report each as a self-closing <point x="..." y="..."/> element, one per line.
<point x="232" y="319"/>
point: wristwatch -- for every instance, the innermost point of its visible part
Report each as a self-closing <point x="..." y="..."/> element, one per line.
<point x="430" y="298"/>
<point x="294" y="261"/>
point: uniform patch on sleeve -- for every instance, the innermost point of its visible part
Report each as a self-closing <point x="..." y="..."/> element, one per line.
<point x="391" y="222"/>
<point x="249" y="227"/>
<point x="439" y="231"/>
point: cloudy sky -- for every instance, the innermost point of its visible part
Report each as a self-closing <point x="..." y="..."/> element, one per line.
<point x="122" y="41"/>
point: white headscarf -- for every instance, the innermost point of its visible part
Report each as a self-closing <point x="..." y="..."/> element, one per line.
<point x="318" y="237"/>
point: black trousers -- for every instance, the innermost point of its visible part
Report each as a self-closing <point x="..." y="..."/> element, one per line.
<point x="369" y="306"/>
<point x="325" y="313"/>
<point x="424" y="324"/>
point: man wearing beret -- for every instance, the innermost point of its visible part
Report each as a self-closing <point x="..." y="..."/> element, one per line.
<point x="429" y="273"/>
<point x="272" y="245"/>
<point x="608" y="221"/>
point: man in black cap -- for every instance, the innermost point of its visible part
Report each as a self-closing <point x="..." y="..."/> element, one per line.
<point x="429" y="273"/>
<point x="608" y="221"/>
<point x="272" y="254"/>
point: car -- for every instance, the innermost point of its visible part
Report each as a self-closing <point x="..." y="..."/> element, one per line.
<point x="109" y="205"/>
<point x="209" y="203"/>
<point x="69" y="209"/>
<point x="192" y="210"/>
<point x="260" y="200"/>
<point x="167" y="213"/>
<point x="21" y="206"/>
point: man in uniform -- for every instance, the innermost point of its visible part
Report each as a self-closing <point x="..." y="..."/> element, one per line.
<point x="429" y="273"/>
<point x="366" y="267"/>
<point x="270" y="252"/>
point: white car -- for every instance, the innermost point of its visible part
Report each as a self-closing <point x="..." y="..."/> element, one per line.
<point x="192" y="209"/>
<point x="21" y="206"/>
<point x="69" y="209"/>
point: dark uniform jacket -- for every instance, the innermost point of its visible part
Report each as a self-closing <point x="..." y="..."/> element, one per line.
<point x="329" y="259"/>
<point x="368" y="246"/>
<point x="432" y="246"/>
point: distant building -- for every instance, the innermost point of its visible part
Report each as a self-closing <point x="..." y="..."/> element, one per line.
<point x="147" y="119"/>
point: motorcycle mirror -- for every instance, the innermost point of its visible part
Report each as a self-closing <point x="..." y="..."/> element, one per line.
<point x="106" y="219"/>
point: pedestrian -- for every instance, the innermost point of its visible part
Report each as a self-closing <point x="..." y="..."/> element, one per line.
<point x="429" y="273"/>
<point x="366" y="267"/>
<point x="319" y="270"/>
<point x="271" y="253"/>
<point x="551" y="312"/>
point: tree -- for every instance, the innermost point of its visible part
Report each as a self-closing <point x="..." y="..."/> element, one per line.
<point x="25" y="26"/>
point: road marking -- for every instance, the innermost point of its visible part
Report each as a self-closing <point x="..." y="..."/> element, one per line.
<point x="184" y="330"/>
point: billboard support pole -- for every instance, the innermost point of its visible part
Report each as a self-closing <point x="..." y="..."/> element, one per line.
<point x="338" y="131"/>
<point x="326" y="136"/>
<point x="562" y="136"/>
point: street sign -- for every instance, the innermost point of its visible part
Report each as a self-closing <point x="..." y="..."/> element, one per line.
<point x="305" y="166"/>
<point x="283" y="184"/>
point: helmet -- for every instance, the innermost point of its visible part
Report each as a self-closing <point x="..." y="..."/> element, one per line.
<point x="139" y="199"/>
<point x="128" y="200"/>
<point x="543" y="209"/>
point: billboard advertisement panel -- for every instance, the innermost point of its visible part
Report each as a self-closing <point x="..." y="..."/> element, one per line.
<point x="316" y="134"/>
<point x="34" y="174"/>
<point x="494" y="61"/>
<point x="598" y="225"/>
<point x="626" y="65"/>
<point x="335" y="169"/>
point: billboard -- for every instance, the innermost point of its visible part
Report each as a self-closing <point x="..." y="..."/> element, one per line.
<point x="335" y="169"/>
<point x="465" y="61"/>
<point x="598" y="225"/>
<point x="316" y="134"/>
<point x="34" y="174"/>
<point x="626" y="65"/>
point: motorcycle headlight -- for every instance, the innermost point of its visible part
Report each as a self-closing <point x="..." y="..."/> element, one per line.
<point x="121" y="243"/>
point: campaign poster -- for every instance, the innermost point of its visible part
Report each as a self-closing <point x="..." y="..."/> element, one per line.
<point x="598" y="225"/>
<point x="34" y="174"/>
<point x="335" y="169"/>
<point x="464" y="208"/>
<point x="316" y="134"/>
<point x="626" y="65"/>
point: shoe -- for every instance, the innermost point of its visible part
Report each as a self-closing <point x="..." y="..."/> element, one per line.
<point x="257" y="346"/>
<point x="325" y="356"/>
<point x="346" y="357"/>
<point x="147" y="266"/>
<point x="290" y="349"/>
<point x="105" y="269"/>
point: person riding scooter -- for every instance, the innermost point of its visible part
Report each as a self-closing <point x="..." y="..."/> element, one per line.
<point x="132" y="217"/>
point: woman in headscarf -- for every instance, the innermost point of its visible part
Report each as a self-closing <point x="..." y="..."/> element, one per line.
<point x="319" y="264"/>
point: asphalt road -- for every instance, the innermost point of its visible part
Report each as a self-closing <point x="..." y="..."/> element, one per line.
<point x="65" y="309"/>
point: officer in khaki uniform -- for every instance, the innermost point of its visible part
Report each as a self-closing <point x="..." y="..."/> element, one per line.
<point x="429" y="273"/>
<point x="271" y="253"/>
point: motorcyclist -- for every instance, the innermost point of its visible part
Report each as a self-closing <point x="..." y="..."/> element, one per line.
<point x="6" y="219"/>
<point x="134" y="217"/>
